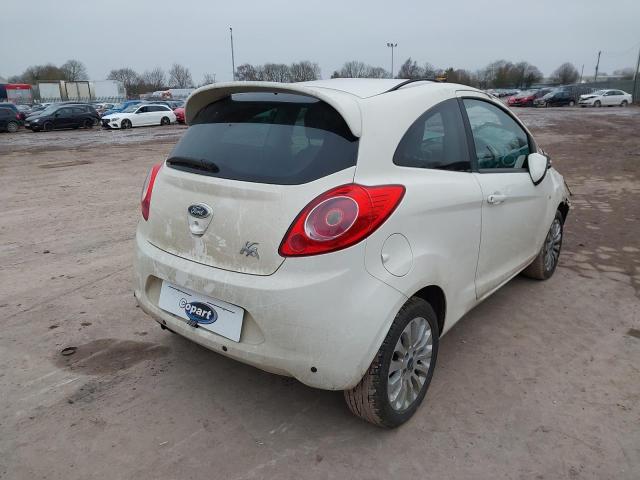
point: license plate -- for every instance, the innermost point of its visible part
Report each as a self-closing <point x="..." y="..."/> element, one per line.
<point x="201" y="311"/>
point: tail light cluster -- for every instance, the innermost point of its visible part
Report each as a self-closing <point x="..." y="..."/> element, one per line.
<point x="147" y="189"/>
<point x="340" y="218"/>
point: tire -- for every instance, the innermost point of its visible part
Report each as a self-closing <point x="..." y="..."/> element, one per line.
<point x="165" y="121"/>
<point x="47" y="126"/>
<point x="546" y="261"/>
<point x="12" y="127"/>
<point x="572" y="103"/>
<point x="624" y="103"/>
<point x="597" y="103"/>
<point x="125" y="124"/>
<point x="370" y="399"/>
<point x="88" y="123"/>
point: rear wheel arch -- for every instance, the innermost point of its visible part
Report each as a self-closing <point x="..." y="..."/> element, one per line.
<point x="435" y="297"/>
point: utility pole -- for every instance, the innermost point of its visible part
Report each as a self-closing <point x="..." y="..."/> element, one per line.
<point x="595" y="77"/>
<point x="581" y="72"/>
<point x="392" y="46"/>
<point x="634" y="95"/>
<point x="233" y="61"/>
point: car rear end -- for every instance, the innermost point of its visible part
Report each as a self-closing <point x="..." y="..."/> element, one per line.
<point x="251" y="241"/>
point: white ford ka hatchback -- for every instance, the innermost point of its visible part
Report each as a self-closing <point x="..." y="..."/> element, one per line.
<point x="334" y="230"/>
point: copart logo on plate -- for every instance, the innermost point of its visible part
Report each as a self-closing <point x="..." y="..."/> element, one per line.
<point x="199" y="312"/>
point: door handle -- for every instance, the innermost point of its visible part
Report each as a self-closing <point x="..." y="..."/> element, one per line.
<point x="496" y="198"/>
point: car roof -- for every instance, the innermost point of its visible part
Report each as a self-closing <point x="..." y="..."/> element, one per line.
<point x="360" y="87"/>
<point x="343" y="94"/>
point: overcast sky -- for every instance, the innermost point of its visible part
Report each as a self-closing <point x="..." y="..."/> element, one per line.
<point x="142" y="34"/>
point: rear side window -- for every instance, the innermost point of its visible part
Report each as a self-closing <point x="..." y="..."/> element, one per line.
<point x="435" y="140"/>
<point x="277" y="138"/>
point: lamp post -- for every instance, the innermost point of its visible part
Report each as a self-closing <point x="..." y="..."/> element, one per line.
<point x="595" y="77"/>
<point x="233" y="62"/>
<point x="392" y="46"/>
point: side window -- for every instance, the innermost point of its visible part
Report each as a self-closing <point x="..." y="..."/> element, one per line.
<point x="435" y="140"/>
<point x="143" y="110"/>
<point x="79" y="110"/>
<point x="499" y="141"/>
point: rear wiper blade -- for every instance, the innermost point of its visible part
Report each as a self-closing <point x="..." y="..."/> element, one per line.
<point x="193" y="163"/>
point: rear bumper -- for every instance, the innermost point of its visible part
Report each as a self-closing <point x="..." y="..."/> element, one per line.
<point x="325" y="313"/>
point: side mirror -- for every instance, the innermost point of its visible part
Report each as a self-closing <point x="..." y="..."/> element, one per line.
<point x="537" y="167"/>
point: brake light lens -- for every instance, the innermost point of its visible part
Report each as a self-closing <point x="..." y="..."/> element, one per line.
<point x="339" y="218"/>
<point x="147" y="189"/>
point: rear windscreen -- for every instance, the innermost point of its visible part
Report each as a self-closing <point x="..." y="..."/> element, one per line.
<point x="277" y="138"/>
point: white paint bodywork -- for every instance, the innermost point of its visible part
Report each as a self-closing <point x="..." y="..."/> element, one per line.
<point x="332" y="311"/>
<point x="138" y="118"/>
<point x="607" y="98"/>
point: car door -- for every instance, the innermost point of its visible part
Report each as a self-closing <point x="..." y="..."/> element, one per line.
<point x="157" y="113"/>
<point x="513" y="208"/>
<point x="610" y="98"/>
<point x="141" y="117"/>
<point x="62" y="118"/>
<point x="441" y="209"/>
<point x="79" y="114"/>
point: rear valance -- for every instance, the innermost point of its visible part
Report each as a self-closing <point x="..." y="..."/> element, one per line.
<point x="344" y="103"/>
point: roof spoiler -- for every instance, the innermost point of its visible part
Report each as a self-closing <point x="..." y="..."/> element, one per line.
<point x="342" y="102"/>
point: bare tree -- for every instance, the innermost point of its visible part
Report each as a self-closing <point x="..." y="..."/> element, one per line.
<point x="565" y="73"/>
<point x="429" y="71"/>
<point x="74" y="70"/>
<point x="208" y="79"/>
<point x="154" y="79"/>
<point x="377" y="72"/>
<point x="180" y="76"/>
<point x="36" y="73"/>
<point x="625" y="73"/>
<point x="127" y="76"/>
<point x="357" y="69"/>
<point x="410" y="70"/>
<point x="304" y="71"/>
<point x="276" y="72"/>
<point x="246" y="72"/>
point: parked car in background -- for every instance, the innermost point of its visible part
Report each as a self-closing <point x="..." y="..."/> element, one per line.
<point x="140" y="115"/>
<point x="60" y="116"/>
<point x="527" y="97"/>
<point x="555" y="98"/>
<point x="342" y="261"/>
<point x="179" y="114"/>
<point x="605" y="98"/>
<point x="172" y="104"/>
<point x="9" y="120"/>
<point x="38" y="107"/>
<point x="102" y="107"/>
<point x="13" y="108"/>
<point x="24" y="110"/>
<point x="121" y="106"/>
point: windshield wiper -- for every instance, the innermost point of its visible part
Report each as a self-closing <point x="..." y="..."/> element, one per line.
<point x="193" y="164"/>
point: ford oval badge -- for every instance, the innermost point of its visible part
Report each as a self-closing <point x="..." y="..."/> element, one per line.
<point x="199" y="210"/>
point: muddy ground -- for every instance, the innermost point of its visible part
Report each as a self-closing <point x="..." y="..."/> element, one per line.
<point x="541" y="381"/>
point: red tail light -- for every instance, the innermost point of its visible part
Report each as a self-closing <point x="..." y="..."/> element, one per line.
<point x="147" y="189"/>
<point x="340" y="218"/>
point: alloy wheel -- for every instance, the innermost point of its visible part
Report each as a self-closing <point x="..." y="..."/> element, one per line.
<point x="552" y="245"/>
<point x="410" y="364"/>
